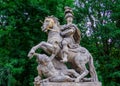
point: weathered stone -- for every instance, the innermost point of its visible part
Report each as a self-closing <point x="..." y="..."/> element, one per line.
<point x="63" y="46"/>
<point x="70" y="84"/>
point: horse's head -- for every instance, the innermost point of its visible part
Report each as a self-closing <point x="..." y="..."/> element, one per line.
<point x="49" y="22"/>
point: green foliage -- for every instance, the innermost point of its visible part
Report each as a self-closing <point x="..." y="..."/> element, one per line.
<point x="104" y="41"/>
<point x="20" y="30"/>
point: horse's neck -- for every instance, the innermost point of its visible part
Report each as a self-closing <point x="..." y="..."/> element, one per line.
<point x="55" y="31"/>
<point x="54" y="35"/>
<point x="56" y="28"/>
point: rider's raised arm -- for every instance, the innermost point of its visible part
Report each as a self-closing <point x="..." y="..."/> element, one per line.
<point x="63" y="27"/>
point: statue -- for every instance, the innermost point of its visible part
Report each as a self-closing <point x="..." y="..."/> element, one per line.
<point x="70" y="34"/>
<point x="46" y="67"/>
<point x="63" y="46"/>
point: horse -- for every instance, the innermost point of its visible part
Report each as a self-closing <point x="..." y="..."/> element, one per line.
<point x="78" y="57"/>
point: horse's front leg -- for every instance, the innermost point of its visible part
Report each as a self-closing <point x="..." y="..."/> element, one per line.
<point x="55" y="51"/>
<point x="43" y="45"/>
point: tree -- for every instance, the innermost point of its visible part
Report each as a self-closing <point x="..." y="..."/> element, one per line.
<point x="20" y="29"/>
<point x="101" y="36"/>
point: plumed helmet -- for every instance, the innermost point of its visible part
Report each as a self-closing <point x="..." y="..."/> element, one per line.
<point x="68" y="12"/>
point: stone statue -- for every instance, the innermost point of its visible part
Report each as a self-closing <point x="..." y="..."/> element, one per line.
<point x="70" y="34"/>
<point x="63" y="46"/>
<point x="46" y="67"/>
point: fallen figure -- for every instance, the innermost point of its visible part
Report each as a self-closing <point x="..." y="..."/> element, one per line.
<point x="45" y="67"/>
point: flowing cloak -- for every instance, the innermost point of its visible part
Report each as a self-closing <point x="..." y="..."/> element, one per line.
<point x="77" y="34"/>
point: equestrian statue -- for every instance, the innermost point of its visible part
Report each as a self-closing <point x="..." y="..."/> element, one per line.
<point x="63" y="46"/>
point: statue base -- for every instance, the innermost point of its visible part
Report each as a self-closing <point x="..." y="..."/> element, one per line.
<point x="69" y="84"/>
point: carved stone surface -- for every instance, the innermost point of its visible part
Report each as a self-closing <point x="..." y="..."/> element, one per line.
<point x="70" y="84"/>
<point x="63" y="46"/>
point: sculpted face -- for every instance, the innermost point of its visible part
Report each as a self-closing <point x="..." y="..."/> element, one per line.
<point x="48" y="24"/>
<point x="43" y="59"/>
<point x="69" y="20"/>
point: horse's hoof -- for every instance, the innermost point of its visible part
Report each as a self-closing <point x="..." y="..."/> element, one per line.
<point x="77" y="80"/>
<point x="63" y="61"/>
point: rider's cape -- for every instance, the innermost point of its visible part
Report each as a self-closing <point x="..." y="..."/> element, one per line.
<point x="77" y="34"/>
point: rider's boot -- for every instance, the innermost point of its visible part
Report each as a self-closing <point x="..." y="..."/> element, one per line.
<point x="64" y="51"/>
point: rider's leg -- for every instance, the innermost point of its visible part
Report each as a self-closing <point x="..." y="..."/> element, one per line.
<point x="65" y="51"/>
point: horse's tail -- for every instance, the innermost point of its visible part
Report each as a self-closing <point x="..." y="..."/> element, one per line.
<point x="92" y="69"/>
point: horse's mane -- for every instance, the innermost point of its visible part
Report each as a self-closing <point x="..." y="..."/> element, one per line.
<point x="54" y="18"/>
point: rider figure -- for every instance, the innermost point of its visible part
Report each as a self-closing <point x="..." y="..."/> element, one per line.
<point x="70" y="34"/>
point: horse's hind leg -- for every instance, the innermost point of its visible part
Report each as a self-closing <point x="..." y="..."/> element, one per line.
<point x="82" y="69"/>
<point x="92" y="69"/>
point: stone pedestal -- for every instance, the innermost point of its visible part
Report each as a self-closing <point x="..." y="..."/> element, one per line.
<point x="70" y="84"/>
